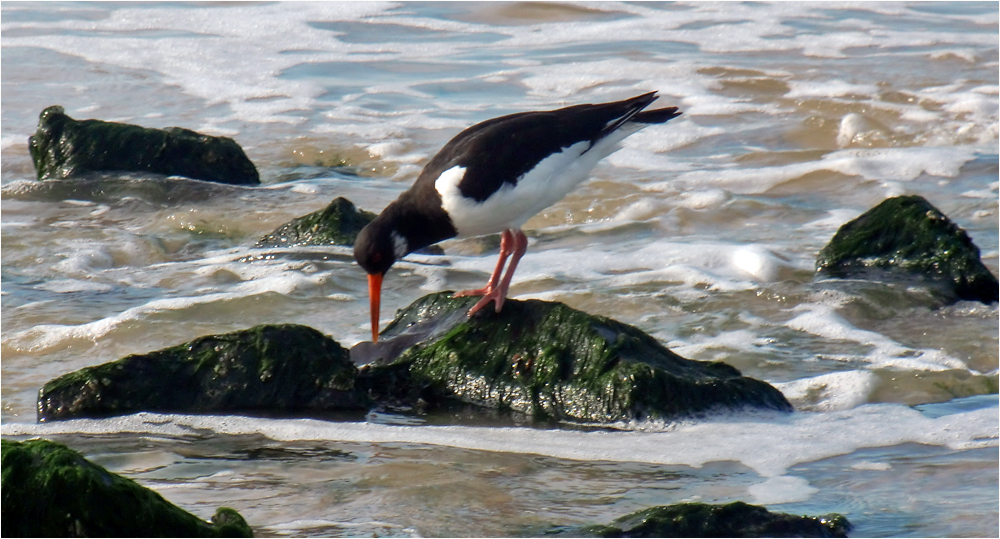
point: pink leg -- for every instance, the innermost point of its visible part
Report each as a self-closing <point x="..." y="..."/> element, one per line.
<point x="497" y="294"/>
<point x="506" y="246"/>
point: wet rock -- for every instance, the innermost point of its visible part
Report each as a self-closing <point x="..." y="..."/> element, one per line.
<point x="63" y="147"/>
<point x="538" y="360"/>
<point x="337" y="224"/>
<point x="273" y="368"/>
<point x="49" y="490"/>
<point x="547" y="361"/>
<point x="735" y="519"/>
<point x="908" y="238"/>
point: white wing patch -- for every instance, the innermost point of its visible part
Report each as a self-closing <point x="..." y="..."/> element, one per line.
<point x="542" y="186"/>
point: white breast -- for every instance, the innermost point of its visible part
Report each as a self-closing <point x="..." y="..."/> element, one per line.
<point x="542" y="186"/>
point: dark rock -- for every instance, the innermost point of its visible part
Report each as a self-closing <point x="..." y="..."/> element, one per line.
<point x="536" y="359"/>
<point x="274" y="368"/>
<point x="49" y="490"/>
<point x="735" y="519"/>
<point x="63" y="147"/>
<point x="549" y="361"/>
<point x="337" y="224"/>
<point x="909" y="237"/>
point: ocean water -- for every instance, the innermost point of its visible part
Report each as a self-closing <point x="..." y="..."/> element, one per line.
<point x="702" y="232"/>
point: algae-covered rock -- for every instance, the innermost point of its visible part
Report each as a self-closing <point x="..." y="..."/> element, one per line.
<point x="63" y="147"/>
<point x="337" y="224"/>
<point x="908" y="236"/>
<point x="49" y="490"/>
<point x="275" y="368"/>
<point x="547" y="360"/>
<point x="735" y="519"/>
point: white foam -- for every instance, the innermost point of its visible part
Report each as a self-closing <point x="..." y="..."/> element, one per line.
<point x="827" y="88"/>
<point x="784" y="489"/>
<point x="759" y="262"/>
<point x="857" y="129"/>
<point x="834" y="220"/>
<point x="696" y="346"/>
<point x="719" y="266"/>
<point x="832" y="391"/>
<point x="65" y="286"/>
<point x="823" y="320"/>
<point x="769" y="444"/>
<point x="279" y="40"/>
<point x="882" y="164"/>
<point x="277" y="278"/>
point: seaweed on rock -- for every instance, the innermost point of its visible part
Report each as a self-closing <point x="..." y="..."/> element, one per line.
<point x="908" y="237"/>
<point x="549" y="361"/>
<point x="271" y="368"/>
<point x="736" y="519"/>
<point x="63" y="147"/>
<point x="49" y="490"/>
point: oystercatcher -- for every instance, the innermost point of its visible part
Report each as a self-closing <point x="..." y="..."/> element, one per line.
<point x="493" y="177"/>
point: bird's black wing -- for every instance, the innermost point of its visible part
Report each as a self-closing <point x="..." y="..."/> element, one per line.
<point x="501" y="150"/>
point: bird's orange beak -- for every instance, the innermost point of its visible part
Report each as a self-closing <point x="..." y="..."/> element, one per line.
<point x="374" y="295"/>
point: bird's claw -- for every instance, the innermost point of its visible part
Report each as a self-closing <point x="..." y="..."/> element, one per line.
<point x="494" y="296"/>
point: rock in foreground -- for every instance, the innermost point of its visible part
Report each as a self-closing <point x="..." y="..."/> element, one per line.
<point x="280" y="368"/>
<point x="549" y="361"/>
<point x="538" y="359"/>
<point x="49" y="490"/>
<point x="908" y="237"/>
<point x="337" y="224"/>
<point x="736" y="519"/>
<point x="63" y="147"/>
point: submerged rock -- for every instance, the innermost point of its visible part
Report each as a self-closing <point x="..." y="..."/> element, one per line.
<point x="49" y="490"/>
<point x="275" y="368"/>
<point x="908" y="237"/>
<point x="337" y="224"/>
<point x="63" y="147"/>
<point x="549" y="361"/>
<point x="735" y="519"/>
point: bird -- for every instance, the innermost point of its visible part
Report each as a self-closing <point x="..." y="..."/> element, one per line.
<point x="493" y="177"/>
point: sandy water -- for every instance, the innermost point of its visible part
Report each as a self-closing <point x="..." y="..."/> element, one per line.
<point x="702" y="232"/>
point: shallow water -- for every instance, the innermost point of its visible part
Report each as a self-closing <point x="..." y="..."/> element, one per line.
<point x="702" y="232"/>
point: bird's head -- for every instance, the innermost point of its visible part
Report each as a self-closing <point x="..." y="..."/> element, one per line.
<point x="376" y="249"/>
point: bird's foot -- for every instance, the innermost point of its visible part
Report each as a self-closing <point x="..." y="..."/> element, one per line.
<point x="496" y="295"/>
<point x="477" y="292"/>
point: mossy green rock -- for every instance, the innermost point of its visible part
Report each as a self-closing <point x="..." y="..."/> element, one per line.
<point x="337" y="224"/>
<point x="63" y="147"/>
<point x="49" y="490"/>
<point x="549" y="361"/>
<point x="736" y="519"/>
<point x="274" y="368"/>
<point x="908" y="236"/>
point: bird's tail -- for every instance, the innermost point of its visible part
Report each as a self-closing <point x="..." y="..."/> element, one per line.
<point x="657" y="116"/>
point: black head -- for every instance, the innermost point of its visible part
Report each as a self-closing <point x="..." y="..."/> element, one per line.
<point x="376" y="247"/>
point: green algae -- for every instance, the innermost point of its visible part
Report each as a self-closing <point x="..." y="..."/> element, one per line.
<point x="736" y="519"/>
<point x="63" y="147"/>
<point x="540" y="359"/>
<point x="549" y="361"/>
<point x="269" y="367"/>
<point x="337" y="224"/>
<point x="49" y="490"/>
<point x="909" y="236"/>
